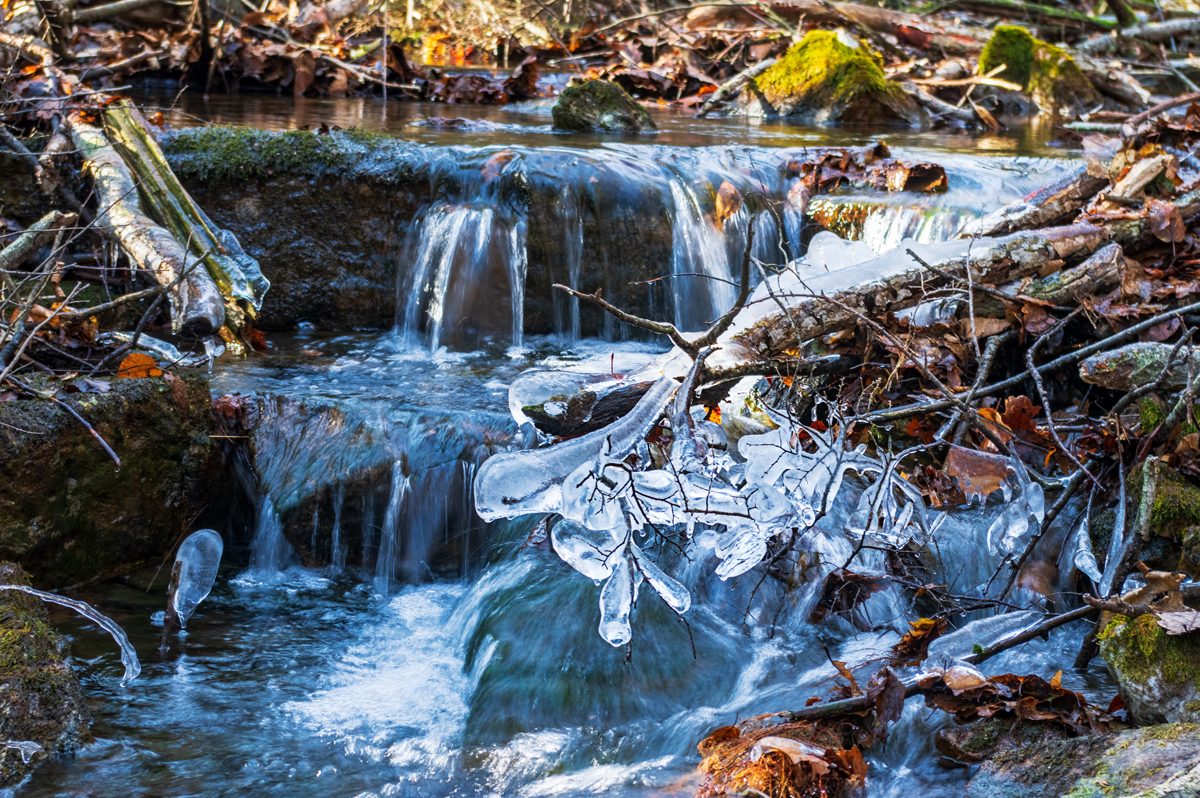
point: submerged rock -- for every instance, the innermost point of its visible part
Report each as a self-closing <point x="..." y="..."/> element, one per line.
<point x="601" y="107"/>
<point x="829" y="76"/>
<point x="41" y="707"/>
<point x="67" y="513"/>
<point x="1047" y="73"/>
<point x="1156" y="761"/>
<point x="1157" y="672"/>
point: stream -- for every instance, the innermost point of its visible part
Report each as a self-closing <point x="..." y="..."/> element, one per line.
<point x="402" y="646"/>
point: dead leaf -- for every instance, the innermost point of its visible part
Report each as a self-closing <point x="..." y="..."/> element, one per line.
<point x="1179" y="622"/>
<point x="728" y="202"/>
<point x="1164" y="220"/>
<point x="138" y="364"/>
<point x="979" y="474"/>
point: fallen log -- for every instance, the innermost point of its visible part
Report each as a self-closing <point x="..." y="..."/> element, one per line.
<point x="802" y="309"/>
<point x="1151" y="32"/>
<point x="235" y="273"/>
<point x="1134" y="365"/>
<point x="195" y="301"/>
<point x="1046" y="206"/>
<point x="34" y="236"/>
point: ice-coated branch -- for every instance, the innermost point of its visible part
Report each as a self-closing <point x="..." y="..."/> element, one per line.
<point x="129" y="656"/>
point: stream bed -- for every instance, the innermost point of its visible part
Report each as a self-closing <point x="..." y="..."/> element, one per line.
<point x="422" y="653"/>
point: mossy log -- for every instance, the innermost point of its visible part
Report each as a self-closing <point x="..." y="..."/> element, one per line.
<point x="1048" y="74"/>
<point x="831" y="77"/>
<point x="197" y="307"/>
<point x="1135" y="365"/>
<point x="235" y="273"/>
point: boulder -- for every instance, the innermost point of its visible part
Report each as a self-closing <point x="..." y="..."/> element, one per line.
<point x="831" y="77"/>
<point x="1157" y="672"/>
<point x="42" y="711"/>
<point x="68" y="514"/>
<point x="1047" y="73"/>
<point x="597" y="106"/>
<point x="1025" y="760"/>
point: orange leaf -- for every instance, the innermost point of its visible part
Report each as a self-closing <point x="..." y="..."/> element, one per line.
<point x="138" y="364"/>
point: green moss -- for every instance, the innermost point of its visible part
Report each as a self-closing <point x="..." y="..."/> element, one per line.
<point x="1141" y="651"/>
<point x="598" y="105"/>
<point x="1046" y="72"/>
<point x="1176" y="510"/>
<point x="1151" y="413"/>
<point x="823" y="69"/>
<point x="222" y="153"/>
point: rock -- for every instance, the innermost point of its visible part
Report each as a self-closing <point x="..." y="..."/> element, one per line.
<point x="40" y="699"/>
<point x="1047" y="73"/>
<point x="831" y="77"/>
<point x="1156" y="672"/>
<point x="597" y="106"/>
<point x="67" y="514"/>
<point x="1150" y="762"/>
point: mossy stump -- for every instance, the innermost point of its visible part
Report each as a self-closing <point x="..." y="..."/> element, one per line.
<point x="1158" y="673"/>
<point x="40" y="699"/>
<point x="831" y="77"/>
<point x="597" y="106"/>
<point x="1048" y="74"/>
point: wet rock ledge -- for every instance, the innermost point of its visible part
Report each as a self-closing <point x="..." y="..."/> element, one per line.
<point x="68" y="514"/>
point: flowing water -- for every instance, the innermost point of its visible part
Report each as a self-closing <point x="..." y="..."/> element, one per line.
<point x="369" y="635"/>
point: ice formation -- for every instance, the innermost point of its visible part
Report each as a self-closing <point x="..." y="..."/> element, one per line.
<point x="129" y="657"/>
<point x="623" y="501"/>
<point x="196" y="564"/>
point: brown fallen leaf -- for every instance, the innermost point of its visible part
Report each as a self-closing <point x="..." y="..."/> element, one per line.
<point x="138" y="364"/>
<point x="979" y="474"/>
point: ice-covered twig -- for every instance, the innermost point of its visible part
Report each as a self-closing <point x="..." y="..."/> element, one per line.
<point x="128" y="655"/>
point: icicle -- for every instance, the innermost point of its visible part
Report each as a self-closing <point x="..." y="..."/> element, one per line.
<point x="617" y="598"/>
<point x="28" y="749"/>
<point x="196" y="565"/>
<point x="514" y="483"/>
<point x="672" y="592"/>
<point x="129" y="656"/>
<point x="591" y="552"/>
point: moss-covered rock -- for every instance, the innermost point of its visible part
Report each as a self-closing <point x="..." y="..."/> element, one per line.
<point x="1140" y="763"/>
<point x="1158" y="673"/>
<point x="40" y="700"/>
<point x="830" y="77"/>
<point x="1047" y="73"/>
<point x="597" y="106"/>
<point x="67" y="514"/>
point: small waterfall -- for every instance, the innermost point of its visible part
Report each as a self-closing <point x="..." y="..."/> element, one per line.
<point x="368" y="527"/>
<point x="517" y="265"/>
<point x="385" y="563"/>
<point x="455" y="260"/>
<point x="572" y="227"/>
<point x="270" y="551"/>
<point x="703" y="286"/>
<point x="337" y="552"/>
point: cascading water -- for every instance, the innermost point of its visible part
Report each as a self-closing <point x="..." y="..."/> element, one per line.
<point x="423" y="662"/>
